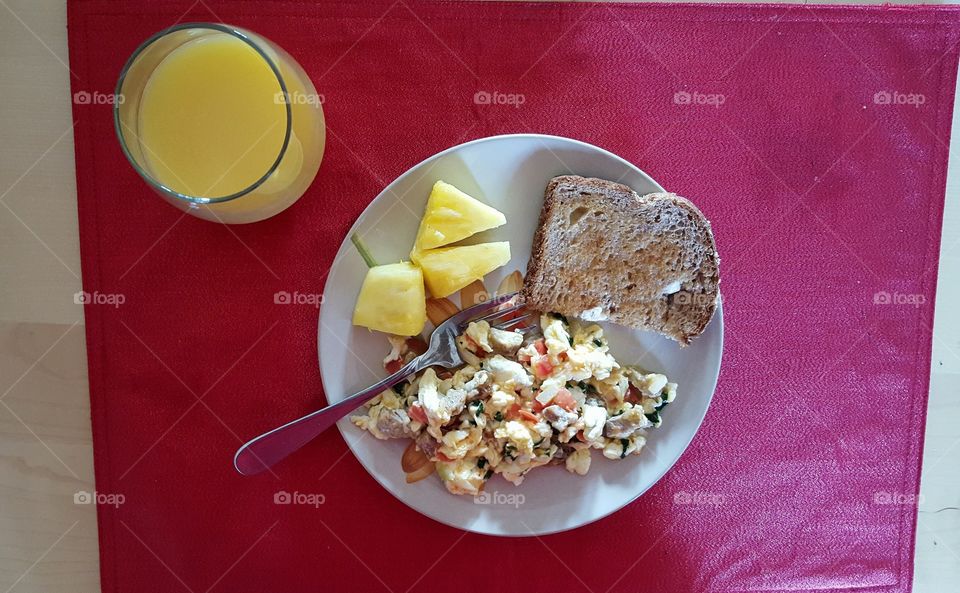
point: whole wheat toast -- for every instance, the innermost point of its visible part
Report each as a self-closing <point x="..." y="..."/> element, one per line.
<point x="602" y="251"/>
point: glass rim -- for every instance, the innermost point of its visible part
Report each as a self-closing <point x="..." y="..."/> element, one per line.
<point x="150" y="179"/>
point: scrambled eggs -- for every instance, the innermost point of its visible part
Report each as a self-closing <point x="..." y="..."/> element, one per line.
<point x="518" y="404"/>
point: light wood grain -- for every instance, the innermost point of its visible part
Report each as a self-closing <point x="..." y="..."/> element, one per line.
<point x="46" y="459"/>
<point x="47" y="542"/>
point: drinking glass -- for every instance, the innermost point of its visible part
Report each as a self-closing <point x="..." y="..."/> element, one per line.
<point x="194" y="99"/>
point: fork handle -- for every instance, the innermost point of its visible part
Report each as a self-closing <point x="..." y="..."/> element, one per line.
<point x="267" y="449"/>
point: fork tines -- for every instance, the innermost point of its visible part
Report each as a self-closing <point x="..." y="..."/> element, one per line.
<point x="518" y="323"/>
<point x="501" y="319"/>
<point x="493" y="317"/>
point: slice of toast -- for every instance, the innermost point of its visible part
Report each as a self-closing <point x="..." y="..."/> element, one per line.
<point x="603" y="252"/>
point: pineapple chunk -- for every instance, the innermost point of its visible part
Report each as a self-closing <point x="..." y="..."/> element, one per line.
<point x="448" y="269"/>
<point x="392" y="300"/>
<point x="452" y="215"/>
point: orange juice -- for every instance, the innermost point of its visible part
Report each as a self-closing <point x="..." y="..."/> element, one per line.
<point x="219" y="121"/>
<point x="210" y="124"/>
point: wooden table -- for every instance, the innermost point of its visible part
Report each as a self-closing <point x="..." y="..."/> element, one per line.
<point x="48" y="542"/>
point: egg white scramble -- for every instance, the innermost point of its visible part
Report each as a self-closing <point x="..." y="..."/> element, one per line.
<point x="519" y="403"/>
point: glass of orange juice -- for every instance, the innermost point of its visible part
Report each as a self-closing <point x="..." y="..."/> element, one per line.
<point x="220" y="121"/>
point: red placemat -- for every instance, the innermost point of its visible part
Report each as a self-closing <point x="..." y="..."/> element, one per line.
<point x="815" y="138"/>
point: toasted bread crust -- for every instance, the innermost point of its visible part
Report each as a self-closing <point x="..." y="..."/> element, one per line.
<point x="648" y="262"/>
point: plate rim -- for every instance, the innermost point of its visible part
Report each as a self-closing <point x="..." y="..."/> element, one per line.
<point x="344" y="423"/>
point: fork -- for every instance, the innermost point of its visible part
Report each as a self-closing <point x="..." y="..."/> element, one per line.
<point x="267" y="449"/>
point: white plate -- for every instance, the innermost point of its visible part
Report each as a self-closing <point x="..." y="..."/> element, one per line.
<point x="509" y="173"/>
